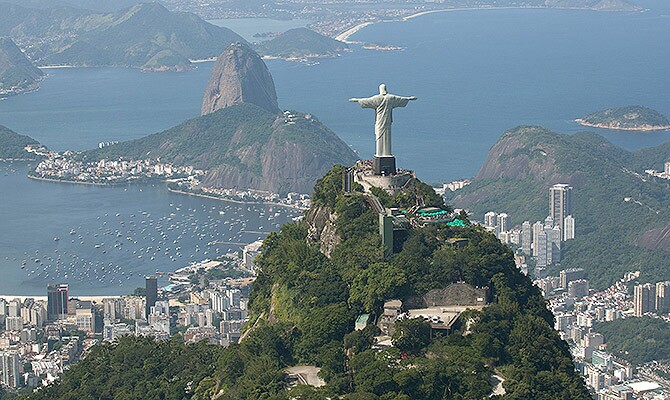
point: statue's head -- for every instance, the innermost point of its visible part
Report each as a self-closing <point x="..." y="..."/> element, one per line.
<point x="382" y="89"/>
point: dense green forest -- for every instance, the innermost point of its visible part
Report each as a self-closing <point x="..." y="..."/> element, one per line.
<point x="610" y="230"/>
<point x="303" y="306"/>
<point x="12" y="145"/>
<point x="637" y="340"/>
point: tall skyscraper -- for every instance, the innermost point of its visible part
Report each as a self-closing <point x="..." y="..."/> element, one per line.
<point x="662" y="296"/>
<point x="526" y="237"/>
<point x="644" y="299"/>
<point x="554" y="245"/>
<point x="537" y="228"/>
<point x="490" y="219"/>
<point x="569" y="228"/>
<point x="9" y="369"/>
<point x="542" y="258"/>
<point x="57" y="298"/>
<point x="560" y="203"/>
<point x="502" y="222"/>
<point x="151" y="286"/>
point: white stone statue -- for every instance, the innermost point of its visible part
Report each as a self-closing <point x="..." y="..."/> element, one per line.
<point x="383" y="103"/>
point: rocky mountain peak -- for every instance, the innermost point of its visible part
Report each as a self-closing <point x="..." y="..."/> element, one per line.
<point x="239" y="76"/>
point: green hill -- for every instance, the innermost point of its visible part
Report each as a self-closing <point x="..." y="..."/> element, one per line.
<point x="303" y="306"/>
<point x="146" y="36"/>
<point x="244" y="146"/>
<point x="12" y="145"/>
<point x="638" y="340"/>
<point x="17" y="73"/>
<point x="613" y="235"/>
<point x="632" y="118"/>
<point x="299" y="43"/>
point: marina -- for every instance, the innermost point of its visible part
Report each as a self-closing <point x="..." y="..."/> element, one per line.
<point x="108" y="250"/>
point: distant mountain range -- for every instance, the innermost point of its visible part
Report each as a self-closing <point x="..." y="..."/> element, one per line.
<point x="622" y="215"/>
<point x="145" y="36"/>
<point x="299" y="43"/>
<point x="93" y="5"/>
<point x="17" y="73"/>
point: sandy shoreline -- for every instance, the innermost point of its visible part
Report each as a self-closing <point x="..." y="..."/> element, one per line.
<point x="644" y="128"/>
<point x="344" y="36"/>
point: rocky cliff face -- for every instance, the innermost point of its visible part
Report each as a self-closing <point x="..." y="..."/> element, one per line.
<point x="240" y="76"/>
<point x="322" y="229"/>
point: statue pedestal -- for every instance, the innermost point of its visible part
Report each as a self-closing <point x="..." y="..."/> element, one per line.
<point x="384" y="165"/>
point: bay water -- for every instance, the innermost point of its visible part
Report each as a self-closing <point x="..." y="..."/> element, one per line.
<point x="476" y="74"/>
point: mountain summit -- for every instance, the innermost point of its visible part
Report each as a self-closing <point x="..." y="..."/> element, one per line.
<point x="240" y="76"/>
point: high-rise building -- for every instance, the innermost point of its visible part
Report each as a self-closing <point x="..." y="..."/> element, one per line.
<point x="490" y="219"/>
<point x="662" y="296"/>
<point x="9" y="369"/>
<point x="85" y="316"/>
<point x="542" y="258"/>
<point x="569" y="275"/>
<point x="560" y="203"/>
<point x="502" y="222"/>
<point x="151" y="286"/>
<point x="537" y="228"/>
<point x="554" y="245"/>
<point x="569" y="228"/>
<point x="526" y="237"/>
<point x="548" y="222"/>
<point x="644" y="299"/>
<point x="57" y="299"/>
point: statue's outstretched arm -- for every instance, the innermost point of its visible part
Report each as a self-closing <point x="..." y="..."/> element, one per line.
<point x="354" y="100"/>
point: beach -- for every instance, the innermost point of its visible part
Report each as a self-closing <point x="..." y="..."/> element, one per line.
<point x="344" y="36"/>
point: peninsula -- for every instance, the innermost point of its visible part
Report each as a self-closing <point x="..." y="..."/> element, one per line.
<point x="631" y="118"/>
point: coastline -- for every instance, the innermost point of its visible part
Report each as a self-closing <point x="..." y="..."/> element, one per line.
<point x="265" y="203"/>
<point x="643" y="128"/>
<point x="39" y="178"/>
<point x="344" y="36"/>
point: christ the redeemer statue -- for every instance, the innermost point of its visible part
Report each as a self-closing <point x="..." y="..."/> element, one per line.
<point x="383" y="103"/>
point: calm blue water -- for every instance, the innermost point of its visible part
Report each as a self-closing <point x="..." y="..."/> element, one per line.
<point x="109" y="238"/>
<point x="476" y="73"/>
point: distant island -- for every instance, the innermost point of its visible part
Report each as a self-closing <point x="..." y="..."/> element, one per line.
<point x="301" y="43"/>
<point x="631" y="118"/>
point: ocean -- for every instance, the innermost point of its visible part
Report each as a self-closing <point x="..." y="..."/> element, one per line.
<point x="476" y="74"/>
